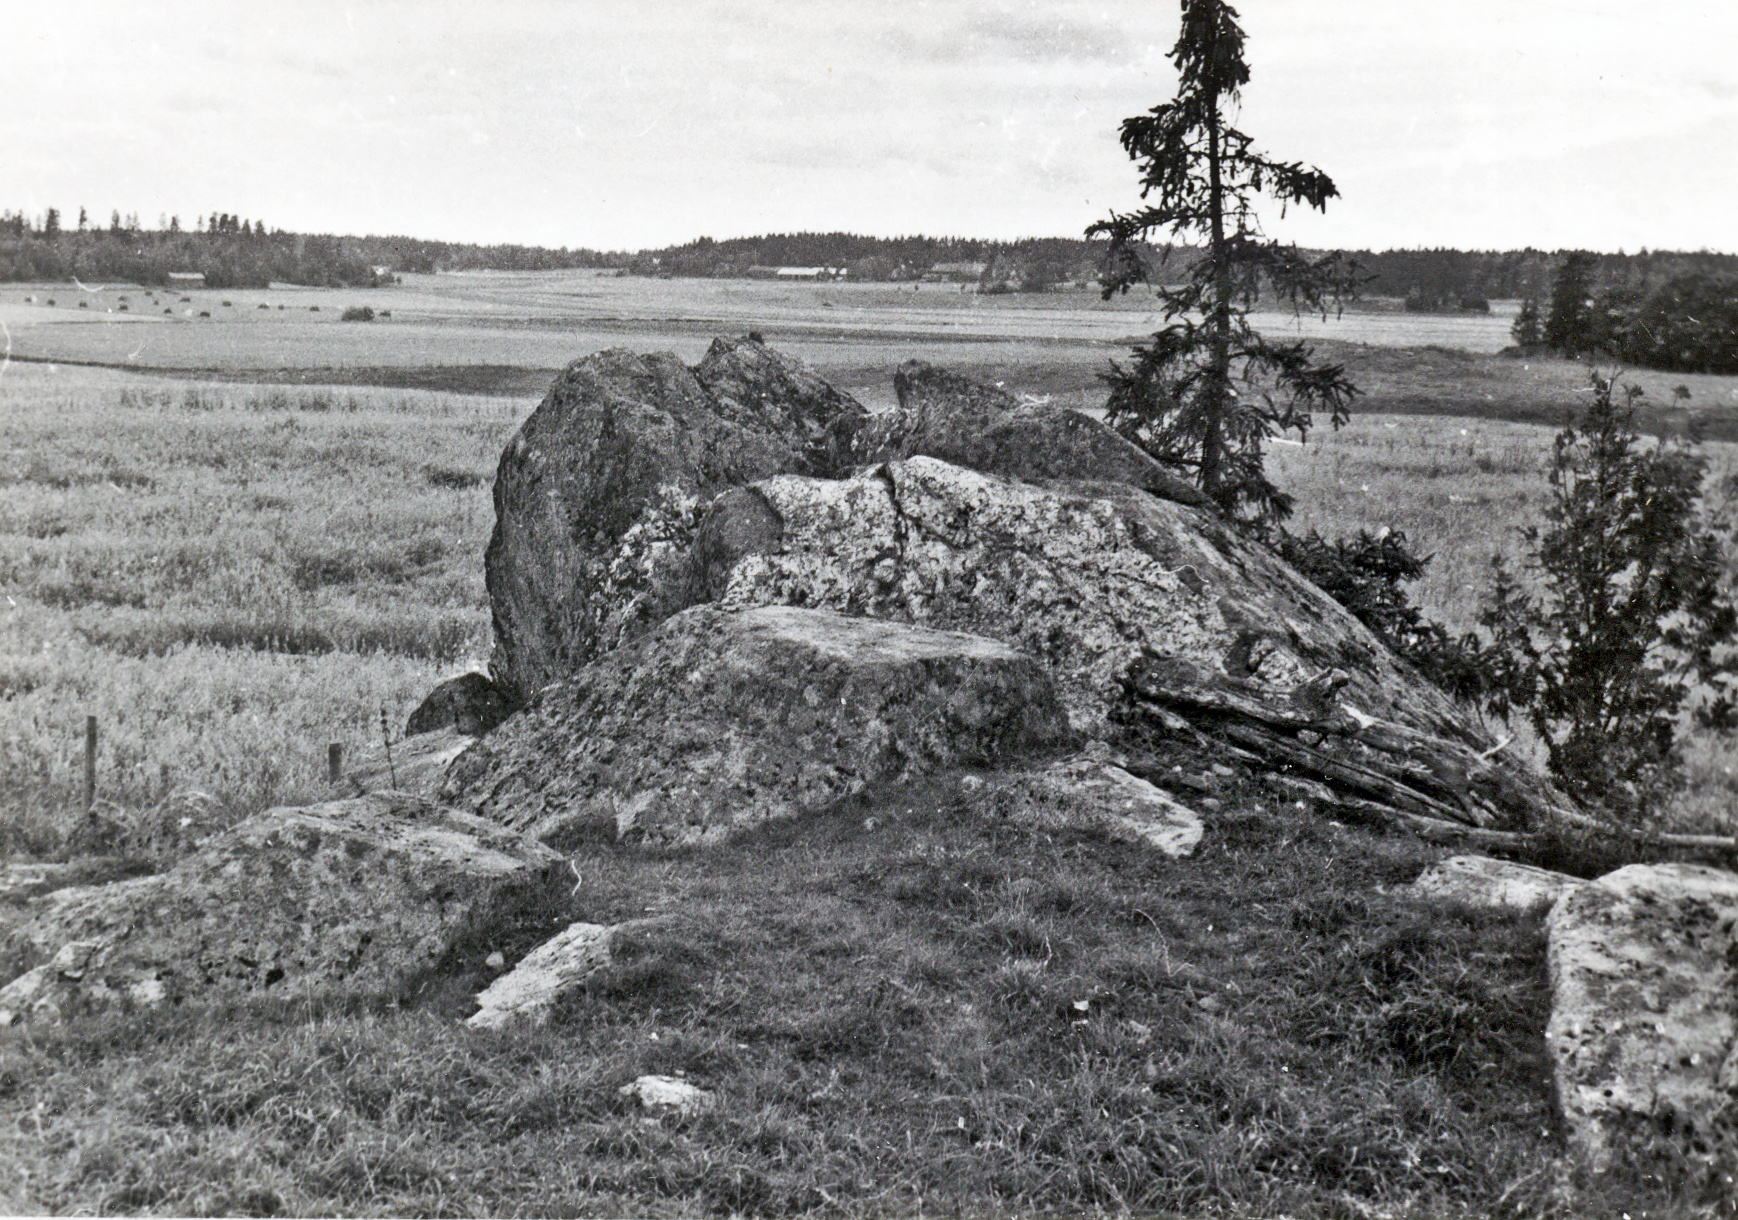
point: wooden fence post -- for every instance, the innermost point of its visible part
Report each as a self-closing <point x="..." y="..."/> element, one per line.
<point x="90" y="762"/>
<point x="334" y="762"/>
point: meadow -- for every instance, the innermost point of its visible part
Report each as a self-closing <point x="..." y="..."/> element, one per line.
<point x="228" y="578"/>
<point x="905" y="1009"/>
<point x="231" y="565"/>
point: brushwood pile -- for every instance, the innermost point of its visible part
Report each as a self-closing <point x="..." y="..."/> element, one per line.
<point x="728" y="594"/>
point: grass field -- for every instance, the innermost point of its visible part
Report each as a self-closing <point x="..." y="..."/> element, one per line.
<point x="227" y="577"/>
<point x="933" y="1014"/>
<point x="197" y="562"/>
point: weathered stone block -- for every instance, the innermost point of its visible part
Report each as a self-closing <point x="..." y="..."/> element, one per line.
<point x="470" y="704"/>
<point x="717" y="721"/>
<point x="595" y="496"/>
<point x="354" y="895"/>
<point x="1644" y="1018"/>
<point x="1495" y="885"/>
<point x="965" y="423"/>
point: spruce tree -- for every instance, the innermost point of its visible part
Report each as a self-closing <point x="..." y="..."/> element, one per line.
<point x="1525" y="329"/>
<point x="1569" y="325"/>
<point x="1207" y="391"/>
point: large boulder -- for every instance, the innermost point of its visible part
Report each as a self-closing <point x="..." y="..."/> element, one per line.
<point x="1644" y="1017"/>
<point x="944" y="415"/>
<point x="719" y="721"/>
<point x="1083" y="576"/>
<point x="353" y="895"/>
<point x="595" y="496"/>
<point x="764" y="391"/>
<point x="1137" y="605"/>
<point x="633" y="493"/>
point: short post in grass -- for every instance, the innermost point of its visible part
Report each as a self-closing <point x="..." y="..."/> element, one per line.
<point x="386" y="740"/>
<point x="90" y="763"/>
<point x="334" y="762"/>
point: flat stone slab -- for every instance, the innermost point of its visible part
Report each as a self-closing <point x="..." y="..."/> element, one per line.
<point x="719" y="721"/>
<point x="1644" y="1020"/>
<point x="24" y="880"/>
<point x="1091" y="793"/>
<point x="351" y="895"/>
<point x="559" y="966"/>
<point x="1495" y="885"/>
<point x="529" y="991"/>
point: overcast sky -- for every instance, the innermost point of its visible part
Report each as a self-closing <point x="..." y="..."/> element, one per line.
<point x="622" y="124"/>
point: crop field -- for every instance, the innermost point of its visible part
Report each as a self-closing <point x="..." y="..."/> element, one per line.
<point x="235" y="540"/>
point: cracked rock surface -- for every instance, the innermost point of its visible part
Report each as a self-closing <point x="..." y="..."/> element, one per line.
<point x="1083" y="576"/>
<point x="350" y="895"/>
<point x="595" y="494"/>
<point x="944" y="415"/>
<point x="718" y="721"/>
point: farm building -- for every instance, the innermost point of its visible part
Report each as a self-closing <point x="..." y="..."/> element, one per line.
<point x="955" y="273"/>
<point x="187" y="279"/>
<point x="796" y="273"/>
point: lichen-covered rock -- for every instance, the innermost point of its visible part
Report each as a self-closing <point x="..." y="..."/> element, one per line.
<point x="717" y="721"/>
<point x="944" y="415"/>
<point x="1085" y="577"/>
<point x="354" y="895"/>
<point x="596" y="495"/>
<point x="1494" y="885"/>
<point x="1644" y="1017"/>
<point x="760" y="389"/>
<point x="21" y="881"/>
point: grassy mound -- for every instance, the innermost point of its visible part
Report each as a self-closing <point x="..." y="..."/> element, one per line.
<point x="904" y="1008"/>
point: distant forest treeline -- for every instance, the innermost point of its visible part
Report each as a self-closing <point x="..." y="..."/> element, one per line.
<point x="233" y="252"/>
<point x="1428" y="278"/>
